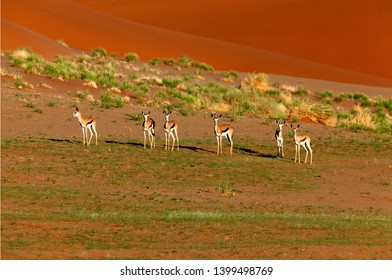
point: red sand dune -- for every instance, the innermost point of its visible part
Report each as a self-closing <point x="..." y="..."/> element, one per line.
<point x="344" y="41"/>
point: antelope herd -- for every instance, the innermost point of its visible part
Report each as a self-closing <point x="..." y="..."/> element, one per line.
<point x="220" y="130"/>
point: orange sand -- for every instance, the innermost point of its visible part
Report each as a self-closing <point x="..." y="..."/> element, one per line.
<point x="345" y="41"/>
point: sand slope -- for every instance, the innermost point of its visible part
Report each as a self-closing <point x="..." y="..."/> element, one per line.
<point x="281" y="37"/>
<point x="355" y="35"/>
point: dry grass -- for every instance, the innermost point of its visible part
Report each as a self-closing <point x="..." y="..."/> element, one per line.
<point x="257" y="81"/>
<point x="318" y="113"/>
<point x="363" y="117"/>
<point x="21" y="53"/>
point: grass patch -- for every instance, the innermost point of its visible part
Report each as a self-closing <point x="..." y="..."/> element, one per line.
<point x="319" y="113"/>
<point x="109" y="100"/>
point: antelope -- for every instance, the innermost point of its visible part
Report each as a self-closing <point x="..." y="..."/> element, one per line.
<point x="220" y="131"/>
<point x="171" y="131"/>
<point x="304" y="141"/>
<point x="279" y="137"/>
<point x="87" y="123"/>
<point x="148" y="127"/>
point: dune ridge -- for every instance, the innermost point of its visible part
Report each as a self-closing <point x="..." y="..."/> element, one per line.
<point x="354" y="35"/>
<point x="85" y="27"/>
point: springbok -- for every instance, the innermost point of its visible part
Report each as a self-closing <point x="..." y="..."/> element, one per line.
<point x="220" y="131"/>
<point x="304" y="141"/>
<point x="148" y="128"/>
<point x="171" y="131"/>
<point x="87" y="123"/>
<point x="279" y="137"/>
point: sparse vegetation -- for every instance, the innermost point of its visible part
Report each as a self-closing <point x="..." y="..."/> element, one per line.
<point x="109" y="100"/>
<point x="257" y="81"/>
<point x="155" y="61"/>
<point x="214" y="204"/>
<point x="52" y="104"/>
<point x="301" y="91"/>
<point x="131" y="57"/>
<point x="318" y="113"/>
<point x="189" y="92"/>
<point x="99" y="52"/>
<point x="106" y="197"/>
<point x="19" y="83"/>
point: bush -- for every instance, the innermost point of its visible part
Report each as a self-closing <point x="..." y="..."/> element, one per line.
<point x="185" y="61"/>
<point x="169" y="61"/>
<point x="203" y="66"/>
<point x="360" y="119"/>
<point x="343" y="96"/>
<point x="109" y="100"/>
<point x="257" y="81"/>
<point x="131" y="57"/>
<point x="99" y="52"/>
<point x="301" y="91"/>
<point x="155" y="61"/>
<point x="325" y="95"/>
<point x="171" y="82"/>
<point x="318" y="113"/>
<point x="273" y="92"/>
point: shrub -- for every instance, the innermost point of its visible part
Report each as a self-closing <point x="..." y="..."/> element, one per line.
<point x="273" y="92"/>
<point x="131" y="57"/>
<point x="52" y="104"/>
<point x="155" y="61"/>
<point x="143" y="88"/>
<point x="360" y="119"/>
<point x="30" y="105"/>
<point x="301" y="91"/>
<point x="257" y="81"/>
<point x="225" y="187"/>
<point x="360" y="97"/>
<point x="171" y="82"/>
<point x="319" y="113"/>
<point x="81" y="94"/>
<point x="325" y="95"/>
<point x="216" y="88"/>
<point x="126" y="85"/>
<point x="203" y="66"/>
<point x="182" y="96"/>
<point x="169" y="61"/>
<point x="19" y="83"/>
<point x="134" y="117"/>
<point x="185" y="61"/>
<point x="109" y="100"/>
<point x="343" y="96"/>
<point x="99" y="52"/>
<point x="382" y="104"/>
<point x="186" y="111"/>
<point x="230" y="76"/>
